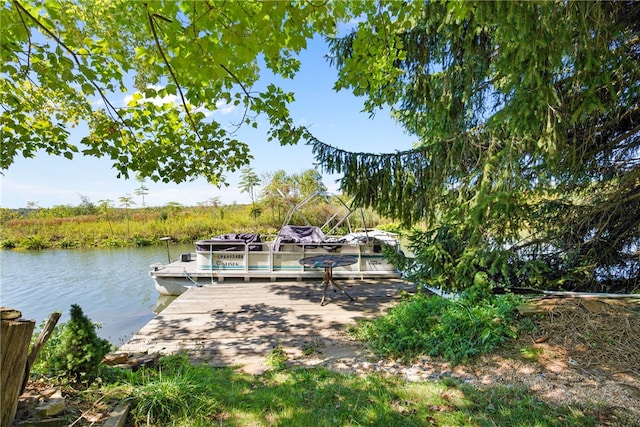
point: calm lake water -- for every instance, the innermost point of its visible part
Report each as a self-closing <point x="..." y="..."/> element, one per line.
<point x="110" y="285"/>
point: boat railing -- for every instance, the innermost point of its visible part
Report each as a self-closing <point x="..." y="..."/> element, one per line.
<point x="241" y="256"/>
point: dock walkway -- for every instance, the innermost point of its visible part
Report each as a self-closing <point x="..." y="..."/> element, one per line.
<point x="239" y="323"/>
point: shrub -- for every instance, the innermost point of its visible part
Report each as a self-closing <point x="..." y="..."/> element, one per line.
<point x="8" y="244"/>
<point x="78" y="351"/>
<point x="113" y="242"/>
<point x="34" y="243"/>
<point x="142" y="241"/>
<point x="454" y="329"/>
<point x="68" y="243"/>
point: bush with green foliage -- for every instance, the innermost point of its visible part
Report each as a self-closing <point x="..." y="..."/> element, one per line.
<point x="76" y="351"/>
<point x="8" y="244"/>
<point x="454" y="329"/>
<point x="34" y="242"/>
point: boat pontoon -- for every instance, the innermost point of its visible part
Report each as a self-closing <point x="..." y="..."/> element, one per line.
<point x="248" y="256"/>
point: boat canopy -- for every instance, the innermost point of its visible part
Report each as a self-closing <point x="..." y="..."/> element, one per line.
<point x="306" y="235"/>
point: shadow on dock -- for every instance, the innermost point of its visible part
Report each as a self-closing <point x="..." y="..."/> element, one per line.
<point x="239" y="323"/>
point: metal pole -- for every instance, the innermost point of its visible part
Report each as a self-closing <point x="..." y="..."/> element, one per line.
<point x="166" y="241"/>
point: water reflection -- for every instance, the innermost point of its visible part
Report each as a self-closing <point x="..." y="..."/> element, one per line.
<point x="110" y="285"/>
<point x="162" y="302"/>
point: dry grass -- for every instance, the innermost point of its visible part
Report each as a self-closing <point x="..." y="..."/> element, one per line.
<point x="595" y="333"/>
<point x="583" y="351"/>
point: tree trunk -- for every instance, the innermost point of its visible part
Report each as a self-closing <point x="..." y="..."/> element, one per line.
<point x="15" y="336"/>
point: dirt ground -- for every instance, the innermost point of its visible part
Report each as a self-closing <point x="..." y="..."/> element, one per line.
<point x="77" y="411"/>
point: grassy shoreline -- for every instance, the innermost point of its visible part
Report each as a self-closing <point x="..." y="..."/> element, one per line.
<point x="179" y="392"/>
<point x="56" y="229"/>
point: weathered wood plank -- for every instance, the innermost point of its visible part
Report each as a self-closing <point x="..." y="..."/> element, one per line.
<point x="239" y="323"/>
<point x="231" y="351"/>
<point x="117" y="417"/>
<point x="7" y="313"/>
<point x="15" y="336"/>
<point x="240" y="331"/>
<point x="238" y="293"/>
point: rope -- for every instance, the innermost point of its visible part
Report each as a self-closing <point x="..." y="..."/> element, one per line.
<point x="184" y="271"/>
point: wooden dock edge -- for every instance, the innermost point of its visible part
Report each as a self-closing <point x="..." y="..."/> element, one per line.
<point x="117" y="417"/>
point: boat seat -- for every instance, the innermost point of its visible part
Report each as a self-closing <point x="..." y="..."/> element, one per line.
<point x="230" y="242"/>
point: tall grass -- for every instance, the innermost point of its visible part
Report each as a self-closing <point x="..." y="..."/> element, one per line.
<point x="139" y="227"/>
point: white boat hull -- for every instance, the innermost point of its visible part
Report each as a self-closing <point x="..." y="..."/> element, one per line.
<point x="170" y="286"/>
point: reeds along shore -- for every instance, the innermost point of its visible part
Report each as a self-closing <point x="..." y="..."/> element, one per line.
<point x="42" y="228"/>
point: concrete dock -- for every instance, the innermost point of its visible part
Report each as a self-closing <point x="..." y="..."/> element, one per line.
<point x="239" y="323"/>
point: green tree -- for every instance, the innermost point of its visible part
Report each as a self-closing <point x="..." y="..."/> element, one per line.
<point x="249" y="180"/>
<point x="61" y="62"/>
<point x="282" y="191"/>
<point x="105" y="207"/>
<point x="86" y="206"/>
<point x="527" y="119"/>
<point x="277" y="192"/>
<point x="142" y="190"/>
<point x="126" y="202"/>
<point x="33" y="211"/>
<point x="309" y="182"/>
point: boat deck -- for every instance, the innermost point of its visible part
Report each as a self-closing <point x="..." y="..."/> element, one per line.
<point x="239" y="323"/>
<point x="183" y="269"/>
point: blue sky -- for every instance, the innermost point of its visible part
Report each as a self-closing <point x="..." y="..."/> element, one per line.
<point x="333" y="117"/>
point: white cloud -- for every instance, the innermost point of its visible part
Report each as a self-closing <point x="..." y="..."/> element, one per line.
<point x="205" y="111"/>
<point x="224" y="107"/>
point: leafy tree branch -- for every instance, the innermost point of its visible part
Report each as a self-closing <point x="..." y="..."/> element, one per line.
<point x="73" y="54"/>
<point x="152" y="26"/>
